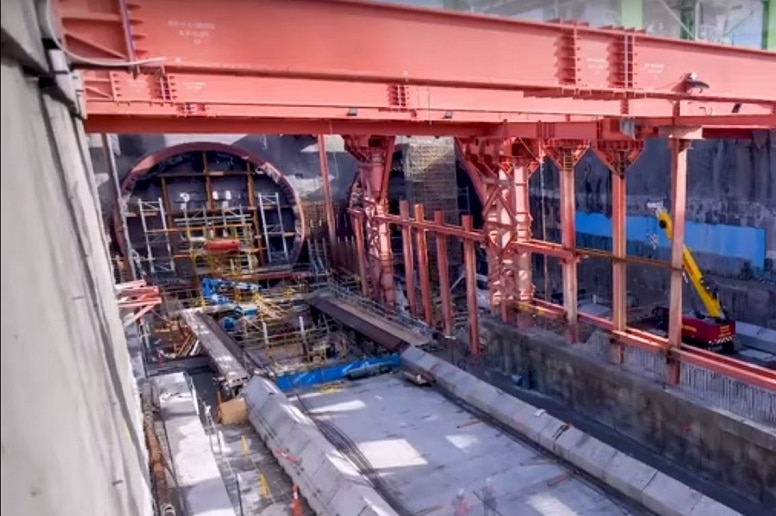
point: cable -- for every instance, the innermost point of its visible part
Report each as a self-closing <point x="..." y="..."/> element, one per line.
<point x="103" y="63"/>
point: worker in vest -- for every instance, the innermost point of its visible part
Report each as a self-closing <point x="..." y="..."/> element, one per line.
<point x="489" y="498"/>
<point x="461" y="506"/>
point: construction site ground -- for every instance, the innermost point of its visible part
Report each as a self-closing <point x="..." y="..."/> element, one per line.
<point x="422" y="447"/>
<point x="244" y="459"/>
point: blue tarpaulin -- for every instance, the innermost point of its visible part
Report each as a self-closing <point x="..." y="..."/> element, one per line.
<point x="333" y="373"/>
<point x="743" y="242"/>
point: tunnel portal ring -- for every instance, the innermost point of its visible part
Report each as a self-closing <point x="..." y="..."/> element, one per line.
<point x="147" y="164"/>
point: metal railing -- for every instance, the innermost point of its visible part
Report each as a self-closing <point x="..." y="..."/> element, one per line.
<point x="375" y="308"/>
<point x="216" y="440"/>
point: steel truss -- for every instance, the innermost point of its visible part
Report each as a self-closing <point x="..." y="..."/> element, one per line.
<point x="446" y="74"/>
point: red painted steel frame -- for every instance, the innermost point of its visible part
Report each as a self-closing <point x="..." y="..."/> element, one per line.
<point x="430" y="70"/>
<point x="137" y="297"/>
<point x="375" y="70"/>
<point x="721" y="364"/>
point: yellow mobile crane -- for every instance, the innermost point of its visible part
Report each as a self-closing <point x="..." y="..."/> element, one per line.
<point x="713" y="329"/>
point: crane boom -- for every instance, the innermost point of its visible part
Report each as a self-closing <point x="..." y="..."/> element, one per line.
<point x="709" y="298"/>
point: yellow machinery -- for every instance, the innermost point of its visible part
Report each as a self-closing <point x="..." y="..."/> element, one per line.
<point x="710" y="330"/>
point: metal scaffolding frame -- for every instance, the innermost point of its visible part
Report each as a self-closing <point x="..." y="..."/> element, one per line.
<point x="156" y="234"/>
<point x="273" y="230"/>
<point x="203" y="225"/>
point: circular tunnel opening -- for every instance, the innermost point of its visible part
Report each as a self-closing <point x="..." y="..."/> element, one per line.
<point x="206" y="209"/>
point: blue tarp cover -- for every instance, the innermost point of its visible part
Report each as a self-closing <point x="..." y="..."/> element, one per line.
<point x="333" y="373"/>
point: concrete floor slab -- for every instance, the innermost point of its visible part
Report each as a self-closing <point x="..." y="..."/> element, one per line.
<point x="199" y="479"/>
<point x="425" y="448"/>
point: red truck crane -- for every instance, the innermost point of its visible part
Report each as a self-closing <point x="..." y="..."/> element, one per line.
<point x="712" y="329"/>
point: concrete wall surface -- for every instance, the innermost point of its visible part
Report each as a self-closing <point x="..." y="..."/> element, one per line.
<point x="71" y="428"/>
<point x="738" y="454"/>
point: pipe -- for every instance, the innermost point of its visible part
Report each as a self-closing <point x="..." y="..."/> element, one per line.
<point x="110" y="159"/>
<point x="156" y="460"/>
<point x="328" y="203"/>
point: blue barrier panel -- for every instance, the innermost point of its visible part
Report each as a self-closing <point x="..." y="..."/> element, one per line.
<point x="333" y="373"/>
<point x="743" y="242"/>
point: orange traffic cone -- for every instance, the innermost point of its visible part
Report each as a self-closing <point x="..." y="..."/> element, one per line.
<point x="296" y="505"/>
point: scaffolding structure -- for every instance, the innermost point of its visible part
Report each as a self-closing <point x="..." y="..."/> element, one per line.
<point x="284" y="331"/>
<point x="271" y="214"/>
<point x="201" y="228"/>
<point x="430" y="180"/>
<point x="158" y="257"/>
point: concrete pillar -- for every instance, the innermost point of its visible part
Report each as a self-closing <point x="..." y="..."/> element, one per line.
<point x="632" y="14"/>
<point x="769" y="24"/>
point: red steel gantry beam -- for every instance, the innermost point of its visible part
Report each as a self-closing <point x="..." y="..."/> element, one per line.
<point x="350" y="63"/>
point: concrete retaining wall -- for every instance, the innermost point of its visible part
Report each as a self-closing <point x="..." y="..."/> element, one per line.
<point x="72" y="433"/>
<point x="731" y="451"/>
<point x="330" y="483"/>
<point x="634" y="479"/>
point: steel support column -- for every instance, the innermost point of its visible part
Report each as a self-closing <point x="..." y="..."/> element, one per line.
<point x="358" y="229"/>
<point x="526" y="159"/>
<point x="110" y="159"/>
<point x="678" y="212"/>
<point x="328" y="202"/>
<point x="375" y="155"/>
<point x="409" y="258"/>
<point x="425" y="280"/>
<point x="618" y="157"/>
<point x="500" y="171"/>
<point x="566" y="154"/>
<point x="444" y="277"/>
<point x="470" y="265"/>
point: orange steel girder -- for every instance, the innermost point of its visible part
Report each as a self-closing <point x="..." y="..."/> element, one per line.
<point x="375" y="156"/>
<point x="358" y="62"/>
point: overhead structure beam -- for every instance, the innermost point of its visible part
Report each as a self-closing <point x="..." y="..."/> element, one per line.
<point x="136" y="123"/>
<point x="202" y="63"/>
<point x="345" y="40"/>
